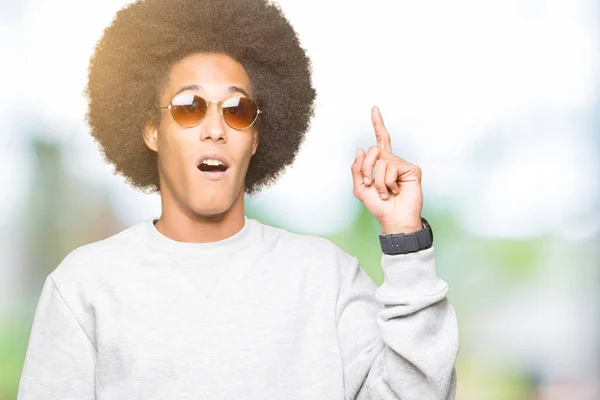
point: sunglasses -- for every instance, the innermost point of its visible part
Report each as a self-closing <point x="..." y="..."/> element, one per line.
<point x="189" y="110"/>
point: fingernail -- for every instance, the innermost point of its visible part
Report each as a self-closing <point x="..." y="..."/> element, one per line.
<point x="384" y="196"/>
<point x="357" y="153"/>
<point x="366" y="180"/>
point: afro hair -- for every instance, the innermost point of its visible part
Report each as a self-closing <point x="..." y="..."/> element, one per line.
<point x="131" y="64"/>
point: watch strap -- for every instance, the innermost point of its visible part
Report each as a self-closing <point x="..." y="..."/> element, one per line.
<point x="403" y="243"/>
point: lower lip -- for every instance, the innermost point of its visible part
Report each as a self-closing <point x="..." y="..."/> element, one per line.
<point x="216" y="175"/>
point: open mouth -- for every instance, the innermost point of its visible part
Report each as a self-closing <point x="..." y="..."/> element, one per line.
<point x="212" y="167"/>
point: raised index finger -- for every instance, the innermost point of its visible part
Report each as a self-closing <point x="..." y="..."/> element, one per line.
<point x="383" y="137"/>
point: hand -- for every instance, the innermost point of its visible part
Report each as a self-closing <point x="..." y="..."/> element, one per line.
<point x="396" y="178"/>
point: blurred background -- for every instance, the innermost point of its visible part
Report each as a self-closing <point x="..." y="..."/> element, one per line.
<point x="497" y="101"/>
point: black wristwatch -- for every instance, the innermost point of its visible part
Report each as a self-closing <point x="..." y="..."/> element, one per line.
<point x="403" y="243"/>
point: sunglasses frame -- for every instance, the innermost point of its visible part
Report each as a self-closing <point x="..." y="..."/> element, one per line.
<point x="219" y="108"/>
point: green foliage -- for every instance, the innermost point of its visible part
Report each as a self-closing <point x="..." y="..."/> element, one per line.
<point x="14" y="336"/>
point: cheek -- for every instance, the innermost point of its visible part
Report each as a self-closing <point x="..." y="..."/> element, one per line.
<point x="173" y="151"/>
<point x="245" y="156"/>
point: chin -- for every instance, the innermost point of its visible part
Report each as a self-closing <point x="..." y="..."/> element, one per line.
<point x="205" y="213"/>
<point x="208" y="208"/>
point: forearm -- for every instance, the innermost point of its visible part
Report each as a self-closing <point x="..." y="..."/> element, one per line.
<point x="419" y="327"/>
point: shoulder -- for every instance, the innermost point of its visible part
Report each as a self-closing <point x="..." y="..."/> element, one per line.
<point x="306" y="246"/>
<point x="83" y="275"/>
<point x="85" y="262"/>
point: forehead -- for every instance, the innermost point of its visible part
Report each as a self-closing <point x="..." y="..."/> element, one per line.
<point x="213" y="72"/>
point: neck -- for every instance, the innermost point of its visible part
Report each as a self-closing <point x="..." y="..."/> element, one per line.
<point x="183" y="224"/>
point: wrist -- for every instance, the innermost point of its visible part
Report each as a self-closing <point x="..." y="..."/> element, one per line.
<point x="389" y="229"/>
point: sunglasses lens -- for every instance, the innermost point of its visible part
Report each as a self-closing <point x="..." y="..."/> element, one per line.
<point x="239" y="112"/>
<point x="188" y="110"/>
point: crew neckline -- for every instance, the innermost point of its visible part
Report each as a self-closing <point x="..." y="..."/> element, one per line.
<point x="225" y="247"/>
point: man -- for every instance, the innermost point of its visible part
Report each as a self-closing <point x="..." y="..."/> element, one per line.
<point x="203" y="101"/>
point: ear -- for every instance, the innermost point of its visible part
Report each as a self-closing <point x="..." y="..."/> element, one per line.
<point x="151" y="136"/>
<point x="254" y="140"/>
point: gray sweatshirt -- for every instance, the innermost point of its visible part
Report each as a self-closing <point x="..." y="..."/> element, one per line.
<point x="265" y="314"/>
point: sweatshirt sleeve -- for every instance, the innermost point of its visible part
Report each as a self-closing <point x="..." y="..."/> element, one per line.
<point x="398" y="341"/>
<point x="60" y="360"/>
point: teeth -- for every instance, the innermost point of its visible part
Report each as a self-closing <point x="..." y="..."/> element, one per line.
<point x="211" y="161"/>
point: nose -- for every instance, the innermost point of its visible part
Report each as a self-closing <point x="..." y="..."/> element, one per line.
<point x="213" y="124"/>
